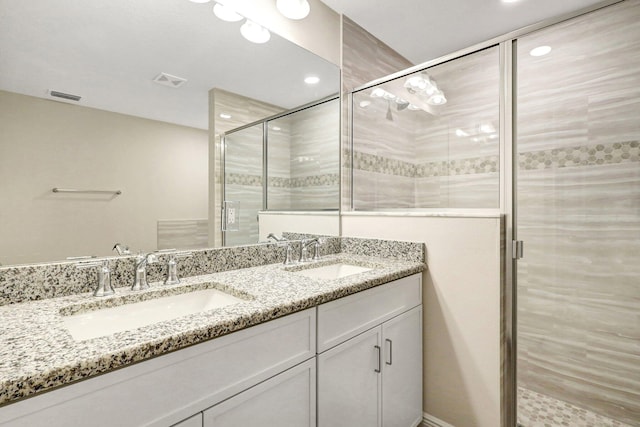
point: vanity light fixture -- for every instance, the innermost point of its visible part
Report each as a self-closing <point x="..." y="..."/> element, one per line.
<point x="226" y="13"/>
<point x="540" y="51"/>
<point x="312" y="80"/>
<point x="255" y="33"/>
<point x="225" y="116"/>
<point x="293" y="9"/>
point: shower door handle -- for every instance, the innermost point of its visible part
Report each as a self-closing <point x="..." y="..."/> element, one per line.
<point x="517" y="249"/>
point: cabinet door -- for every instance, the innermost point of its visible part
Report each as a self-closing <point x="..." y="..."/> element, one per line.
<point x="402" y="370"/>
<point x="349" y="384"/>
<point x="286" y="400"/>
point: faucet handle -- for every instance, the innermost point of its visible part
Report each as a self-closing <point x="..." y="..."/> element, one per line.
<point x="103" y="287"/>
<point x="172" y="267"/>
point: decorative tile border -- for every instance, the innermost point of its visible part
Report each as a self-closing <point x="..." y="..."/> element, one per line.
<point x="599" y="154"/>
<point x="278" y="182"/>
<point x="379" y="164"/>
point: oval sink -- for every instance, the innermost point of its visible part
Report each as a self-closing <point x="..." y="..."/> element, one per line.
<point x="331" y="271"/>
<point x="107" y="321"/>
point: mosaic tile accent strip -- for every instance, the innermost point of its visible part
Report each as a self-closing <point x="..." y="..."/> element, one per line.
<point x="599" y="154"/>
<point x="374" y="163"/>
<point x="243" y="179"/>
<point x="305" y="181"/>
<point x="379" y="164"/>
<point x="538" y="410"/>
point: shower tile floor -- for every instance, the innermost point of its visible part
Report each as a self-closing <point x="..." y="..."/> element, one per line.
<point x="538" y="410"/>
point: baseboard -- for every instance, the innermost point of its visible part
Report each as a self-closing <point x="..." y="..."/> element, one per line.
<point x="431" y="421"/>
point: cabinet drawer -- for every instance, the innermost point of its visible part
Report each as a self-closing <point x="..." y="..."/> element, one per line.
<point x="345" y="318"/>
<point x="166" y="390"/>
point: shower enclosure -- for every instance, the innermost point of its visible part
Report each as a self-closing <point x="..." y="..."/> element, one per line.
<point x="288" y="162"/>
<point x="578" y="213"/>
<point x="560" y="108"/>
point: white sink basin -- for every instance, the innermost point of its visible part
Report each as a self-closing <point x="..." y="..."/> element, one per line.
<point x="107" y="321"/>
<point x="332" y="271"/>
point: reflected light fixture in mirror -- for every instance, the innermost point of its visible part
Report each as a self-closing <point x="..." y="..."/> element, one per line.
<point x="293" y="9"/>
<point x="226" y="13"/>
<point x="254" y="32"/>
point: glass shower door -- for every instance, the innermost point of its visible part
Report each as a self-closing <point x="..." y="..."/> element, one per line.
<point x="243" y="193"/>
<point x="578" y="207"/>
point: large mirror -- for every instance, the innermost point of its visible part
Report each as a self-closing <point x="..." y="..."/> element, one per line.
<point x="137" y="144"/>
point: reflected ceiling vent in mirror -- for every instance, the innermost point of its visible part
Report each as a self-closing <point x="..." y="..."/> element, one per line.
<point x="65" y="96"/>
<point x="169" y="80"/>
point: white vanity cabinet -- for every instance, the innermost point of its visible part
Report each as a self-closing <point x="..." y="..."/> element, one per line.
<point x="370" y="360"/>
<point x="171" y="389"/>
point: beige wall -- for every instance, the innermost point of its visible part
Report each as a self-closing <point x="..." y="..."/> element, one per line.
<point x="462" y="295"/>
<point x="161" y="169"/>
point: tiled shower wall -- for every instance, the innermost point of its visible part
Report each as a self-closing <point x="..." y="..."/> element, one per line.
<point x="579" y="213"/>
<point x="446" y="157"/>
<point x="303" y="159"/>
<point x="302" y="166"/>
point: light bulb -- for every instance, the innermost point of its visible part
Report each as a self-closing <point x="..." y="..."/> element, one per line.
<point x="293" y="9"/>
<point x="254" y="33"/>
<point x="312" y="80"/>
<point x="226" y="13"/>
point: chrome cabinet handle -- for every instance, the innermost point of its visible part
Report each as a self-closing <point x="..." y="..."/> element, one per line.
<point x="379" y="369"/>
<point x="390" y="362"/>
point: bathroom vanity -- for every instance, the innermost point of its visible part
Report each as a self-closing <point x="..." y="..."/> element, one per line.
<point x="296" y="348"/>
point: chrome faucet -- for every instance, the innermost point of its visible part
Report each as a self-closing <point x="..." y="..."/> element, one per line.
<point x="103" y="287"/>
<point x="142" y="261"/>
<point x="276" y="238"/>
<point x="304" y="251"/>
<point x="288" y="258"/>
<point x="121" y="249"/>
<point x="172" y="268"/>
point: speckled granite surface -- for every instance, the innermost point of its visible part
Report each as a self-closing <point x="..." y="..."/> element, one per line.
<point x="37" y="353"/>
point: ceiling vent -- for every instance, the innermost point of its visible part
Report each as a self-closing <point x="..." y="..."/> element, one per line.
<point x="169" y="80"/>
<point x="67" y="96"/>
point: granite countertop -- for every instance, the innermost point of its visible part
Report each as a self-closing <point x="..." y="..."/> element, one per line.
<point x="37" y="353"/>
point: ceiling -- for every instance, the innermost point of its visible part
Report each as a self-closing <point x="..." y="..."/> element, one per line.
<point x="422" y="30"/>
<point x="108" y="52"/>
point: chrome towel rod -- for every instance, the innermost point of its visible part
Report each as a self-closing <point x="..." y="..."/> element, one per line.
<point x="73" y="190"/>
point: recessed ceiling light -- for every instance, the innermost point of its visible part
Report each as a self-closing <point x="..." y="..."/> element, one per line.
<point x="293" y="9"/>
<point x="200" y="1"/>
<point x="254" y="32"/>
<point x="460" y="132"/>
<point x="364" y="104"/>
<point x="226" y="13"/>
<point x="540" y="51"/>
<point x="312" y="80"/>
<point x="510" y="1"/>
<point x="276" y="128"/>
<point x="225" y="115"/>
